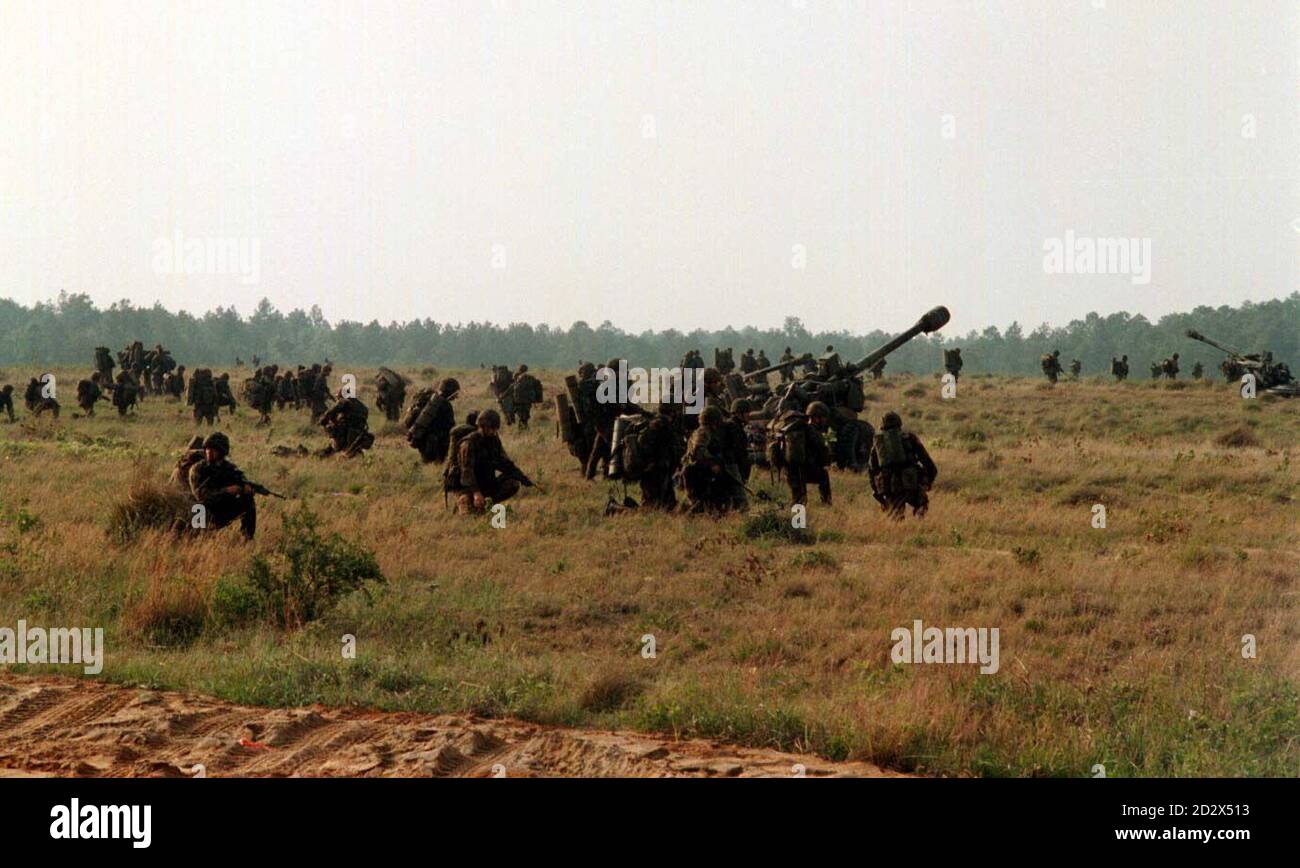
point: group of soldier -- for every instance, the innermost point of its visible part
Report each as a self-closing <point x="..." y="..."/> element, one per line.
<point x="516" y="393"/>
<point x="710" y="455"/>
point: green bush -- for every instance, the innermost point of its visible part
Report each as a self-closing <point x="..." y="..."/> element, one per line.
<point x="306" y="573"/>
<point x="234" y="603"/>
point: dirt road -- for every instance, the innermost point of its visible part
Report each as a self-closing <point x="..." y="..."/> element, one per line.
<point x="71" y="727"/>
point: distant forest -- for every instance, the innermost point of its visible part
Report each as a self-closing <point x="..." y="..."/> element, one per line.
<point x="66" y="331"/>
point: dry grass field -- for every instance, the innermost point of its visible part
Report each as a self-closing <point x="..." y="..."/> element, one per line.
<point x="1120" y="646"/>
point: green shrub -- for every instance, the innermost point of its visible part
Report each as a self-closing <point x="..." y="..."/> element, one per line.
<point x="771" y="523"/>
<point x="234" y="603"/>
<point x="306" y="573"/>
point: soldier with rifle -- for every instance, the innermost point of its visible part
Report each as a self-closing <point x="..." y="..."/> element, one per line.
<point x="1051" y="365"/>
<point x="481" y="471"/>
<point x="222" y="489"/>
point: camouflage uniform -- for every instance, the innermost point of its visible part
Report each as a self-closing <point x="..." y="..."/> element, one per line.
<point x="89" y="393"/>
<point x="346" y="425"/>
<point x="1169" y="367"/>
<point x="1051" y="364"/>
<point x="748" y="362"/>
<point x="7" y="401"/>
<point x="390" y="394"/>
<point x="808" y="464"/>
<point x="225" y="397"/>
<point x="787" y="373"/>
<point x="38" y="403"/>
<point x="482" y="468"/>
<point x="901" y="469"/>
<point x="1076" y="368"/>
<point x="1119" y="368"/>
<point x="704" y="466"/>
<point x="665" y="447"/>
<point x="952" y="362"/>
<point x="878" y="369"/>
<point x="192" y="454"/>
<point x="1198" y="371"/>
<point x="126" y="393"/>
<point x="209" y="481"/>
<point x="523" y="389"/>
<point x="174" y="385"/>
<point x="201" y="395"/>
<point x="430" y="420"/>
<point x="735" y="451"/>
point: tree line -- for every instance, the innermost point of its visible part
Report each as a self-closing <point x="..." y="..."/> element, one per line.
<point x="66" y="330"/>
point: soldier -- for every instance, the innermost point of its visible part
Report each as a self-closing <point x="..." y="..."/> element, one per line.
<point x="36" y="401"/>
<point x="1076" y="368"/>
<point x="703" y="472"/>
<point x="348" y="430"/>
<point x="221" y="489"/>
<point x="261" y="395"/>
<point x="525" y="390"/>
<point x="126" y="393"/>
<point x="499" y="386"/>
<point x="664" y="448"/>
<point x="1156" y="370"/>
<point x="1169" y="367"/>
<point x="285" y="391"/>
<point x="762" y="360"/>
<point x="201" y="395"/>
<point x="174" y="384"/>
<point x="1119" y="368"/>
<point x="901" y="469"/>
<point x="878" y="369"/>
<point x="1051" y="364"/>
<point x="7" y="400"/>
<point x="192" y="454"/>
<point x="104" y="364"/>
<point x="603" y="415"/>
<point x="735" y="450"/>
<point x="787" y="372"/>
<point x="390" y="394"/>
<point x="89" y="393"/>
<point x="481" y="470"/>
<point x="430" y="420"/>
<point x="225" y="397"/>
<point x="802" y="442"/>
<point x="747" y="362"/>
<point x="1198" y="371"/>
<point x="321" y="393"/>
<point x="952" y="362"/>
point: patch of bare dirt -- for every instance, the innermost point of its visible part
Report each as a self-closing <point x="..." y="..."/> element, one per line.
<point x="72" y="727"/>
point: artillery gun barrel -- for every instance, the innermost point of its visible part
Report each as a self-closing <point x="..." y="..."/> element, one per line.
<point x="933" y="320"/>
<point x="1197" y="336"/>
<point x="806" y="357"/>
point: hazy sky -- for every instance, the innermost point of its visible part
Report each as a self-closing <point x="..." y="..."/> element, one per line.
<point x="701" y="163"/>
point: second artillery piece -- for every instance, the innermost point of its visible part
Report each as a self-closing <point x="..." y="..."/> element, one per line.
<point x="834" y="383"/>
<point x="1272" y="377"/>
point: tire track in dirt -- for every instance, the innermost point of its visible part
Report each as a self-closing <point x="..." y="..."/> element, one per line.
<point x="80" y="727"/>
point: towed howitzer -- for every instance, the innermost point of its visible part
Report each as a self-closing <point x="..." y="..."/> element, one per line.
<point x="1273" y="377"/>
<point x="932" y="321"/>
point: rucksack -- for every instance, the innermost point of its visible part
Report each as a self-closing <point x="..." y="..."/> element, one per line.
<point x="635" y="448"/>
<point x="891" y="448"/>
<point x="418" y="403"/>
<point x="529" y="388"/>
<point x="451" y="472"/>
<point x="787" y="442"/>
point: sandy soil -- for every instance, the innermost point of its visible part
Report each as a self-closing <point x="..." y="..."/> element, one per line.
<point x="71" y="727"/>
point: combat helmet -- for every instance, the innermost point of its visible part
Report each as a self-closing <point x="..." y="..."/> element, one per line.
<point x="449" y="387"/>
<point x="489" y="419"/>
<point x="218" y="441"/>
<point x="817" y="408"/>
<point x="891" y="420"/>
<point x="711" y="415"/>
